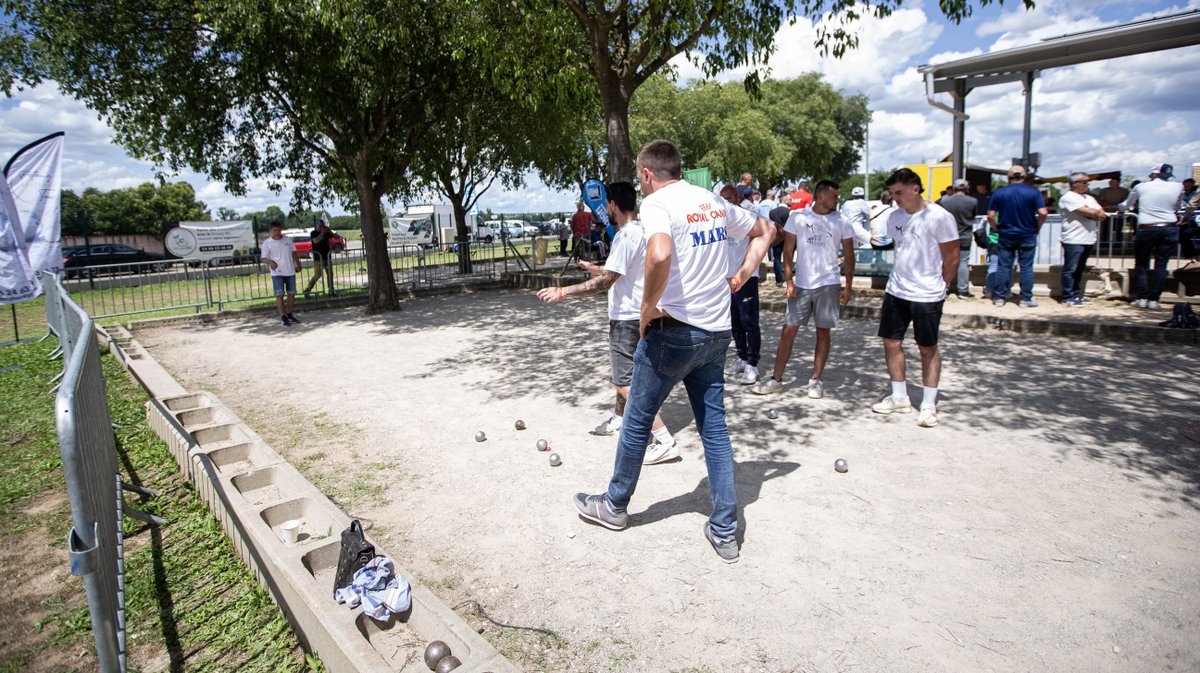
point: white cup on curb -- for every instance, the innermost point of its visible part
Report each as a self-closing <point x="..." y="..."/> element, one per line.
<point x="290" y="530"/>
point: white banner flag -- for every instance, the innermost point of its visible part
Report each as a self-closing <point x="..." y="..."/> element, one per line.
<point x="35" y="177"/>
<point x="17" y="280"/>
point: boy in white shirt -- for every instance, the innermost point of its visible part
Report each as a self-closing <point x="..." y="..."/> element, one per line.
<point x="279" y="253"/>
<point x="812" y="237"/>
<point x="621" y="276"/>
<point x="927" y="250"/>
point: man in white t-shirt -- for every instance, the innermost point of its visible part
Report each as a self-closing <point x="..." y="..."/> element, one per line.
<point x="279" y="253"/>
<point x="685" y="332"/>
<point x="857" y="212"/>
<point x="621" y="276"/>
<point x="813" y="237"/>
<point x="1081" y="213"/>
<point x="1157" y="203"/>
<point x="925" y="237"/>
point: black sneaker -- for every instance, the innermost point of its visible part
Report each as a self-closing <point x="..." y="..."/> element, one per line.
<point x="293" y="318"/>
<point x="595" y="508"/>
<point x="727" y="549"/>
<point x="283" y="319"/>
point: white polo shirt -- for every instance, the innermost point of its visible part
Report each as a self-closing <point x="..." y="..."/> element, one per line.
<point x="699" y="224"/>
<point x="628" y="258"/>
<point x="280" y="252"/>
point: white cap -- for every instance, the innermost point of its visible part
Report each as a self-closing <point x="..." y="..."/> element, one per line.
<point x="857" y="191"/>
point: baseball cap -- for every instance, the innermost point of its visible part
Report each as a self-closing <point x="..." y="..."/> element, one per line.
<point x="961" y="183"/>
<point x="1163" y="170"/>
<point x="857" y="191"/>
<point x="744" y="190"/>
<point x="1017" y="171"/>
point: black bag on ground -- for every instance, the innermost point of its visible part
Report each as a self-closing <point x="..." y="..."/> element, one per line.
<point x="1183" y="316"/>
<point x="356" y="552"/>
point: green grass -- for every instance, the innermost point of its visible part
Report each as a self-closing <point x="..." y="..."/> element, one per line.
<point x="190" y="602"/>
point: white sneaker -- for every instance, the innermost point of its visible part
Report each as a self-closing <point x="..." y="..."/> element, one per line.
<point x="610" y="425"/>
<point x="1139" y="303"/>
<point x="660" y="452"/>
<point x="927" y="418"/>
<point x="735" y="367"/>
<point x="1153" y="304"/>
<point x="816" y="389"/>
<point x="767" y="386"/>
<point x="749" y="375"/>
<point x="891" y="405"/>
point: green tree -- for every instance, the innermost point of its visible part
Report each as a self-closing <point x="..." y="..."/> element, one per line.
<point x="623" y="43"/>
<point x="334" y="96"/>
<point x="226" y="214"/>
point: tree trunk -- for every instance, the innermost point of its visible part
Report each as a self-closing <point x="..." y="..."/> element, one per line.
<point x="381" y="284"/>
<point x="614" y="102"/>
<point x="463" y="237"/>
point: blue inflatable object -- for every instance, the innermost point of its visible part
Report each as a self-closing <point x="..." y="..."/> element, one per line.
<point x="596" y="199"/>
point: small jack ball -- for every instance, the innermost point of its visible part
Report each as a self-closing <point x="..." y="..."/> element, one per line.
<point x="543" y="445"/>
<point x="771" y="413"/>
<point x="520" y="425"/>
<point x="840" y="465"/>
<point x="555" y="461"/>
<point x="479" y="436"/>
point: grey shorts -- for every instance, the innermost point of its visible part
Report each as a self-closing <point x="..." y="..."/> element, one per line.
<point x="821" y="302"/>
<point x="623" y="338"/>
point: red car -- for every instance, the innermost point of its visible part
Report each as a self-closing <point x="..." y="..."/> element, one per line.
<point x="303" y="240"/>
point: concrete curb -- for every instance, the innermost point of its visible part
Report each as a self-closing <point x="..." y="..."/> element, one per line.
<point x="252" y="490"/>
<point x="1062" y="328"/>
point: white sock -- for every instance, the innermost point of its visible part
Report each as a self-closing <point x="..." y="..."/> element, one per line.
<point x="615" y="421"/>
<point x="899" y="389"/>
<point x="930" y="398"/>
<point x="663" y="435"/>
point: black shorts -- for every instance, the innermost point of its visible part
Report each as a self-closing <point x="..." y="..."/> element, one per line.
<point x="926" y="317"/>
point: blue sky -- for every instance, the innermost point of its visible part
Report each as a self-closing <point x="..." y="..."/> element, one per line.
<point x="1126" y="114"/>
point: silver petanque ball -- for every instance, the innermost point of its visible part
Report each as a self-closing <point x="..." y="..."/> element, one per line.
<point x="435" y="652"/>
<point x="479" y="436"/>
<point x="840" y="465"/>
<point x="447" y="664"/>
<point x="520" y="425"/>
<point x="555" y="461"/>
<point x="543" y="445"/>
<point x="772" y="413"/>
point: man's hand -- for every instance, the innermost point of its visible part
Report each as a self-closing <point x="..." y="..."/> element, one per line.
<point x="791" y="289"/>
<point x="550" y="294"/>
<point x="271" y="263"/>
<point x="735" y="284"/>
<point x="649" y="313"/>
<point x="845" y="296"/>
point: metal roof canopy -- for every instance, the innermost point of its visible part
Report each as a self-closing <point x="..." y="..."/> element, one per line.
<point x="1021" y="64"/>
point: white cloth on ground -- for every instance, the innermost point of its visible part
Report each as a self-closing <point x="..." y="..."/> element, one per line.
<point x="378" y="588"/>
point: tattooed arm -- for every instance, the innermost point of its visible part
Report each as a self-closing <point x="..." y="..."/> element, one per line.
<point x="595" y="285"/>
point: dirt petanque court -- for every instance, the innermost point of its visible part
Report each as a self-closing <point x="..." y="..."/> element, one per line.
<point x="1051" y="522"/>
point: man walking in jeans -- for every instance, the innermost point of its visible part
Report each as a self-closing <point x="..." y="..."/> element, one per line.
<point x="685" y="332"/>
<point x="1016" y="213"/>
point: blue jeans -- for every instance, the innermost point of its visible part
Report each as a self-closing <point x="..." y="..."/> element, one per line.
<point x="1161" y="242"/>
<point x="665" y="357"/>
<point x="776" y="255"/>
<point x="1020" y="250"/>
<point x="1075" y="258"/>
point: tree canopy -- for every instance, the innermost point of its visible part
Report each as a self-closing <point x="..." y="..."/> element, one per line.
<point x="134" y="210"/>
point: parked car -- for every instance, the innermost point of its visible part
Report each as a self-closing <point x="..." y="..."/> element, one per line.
<point x="303" y="240"/>
<point x="76" y="258"/>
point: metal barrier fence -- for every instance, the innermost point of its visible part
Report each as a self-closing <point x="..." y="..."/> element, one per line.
<point x="89" y="461"/>
<point x="125" y="289"/>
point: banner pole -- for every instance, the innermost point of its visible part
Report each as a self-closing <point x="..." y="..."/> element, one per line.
<point x="16" y="331"/>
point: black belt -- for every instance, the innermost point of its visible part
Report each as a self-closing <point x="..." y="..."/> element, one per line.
<point x="1156" y="225"/>
<point x="668" y="321"/>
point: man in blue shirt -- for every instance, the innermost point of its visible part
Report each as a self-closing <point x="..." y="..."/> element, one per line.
<point x="1016" y="213"/>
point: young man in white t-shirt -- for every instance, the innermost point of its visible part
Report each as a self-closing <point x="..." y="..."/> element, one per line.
<point x="685" y="332"/>
<point x="621" y="276"/>
<point x="1081" y="213"/>
<point x="812" y="237"/>
<point x="925" y="237"/>
<point x="279" y="253"/>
